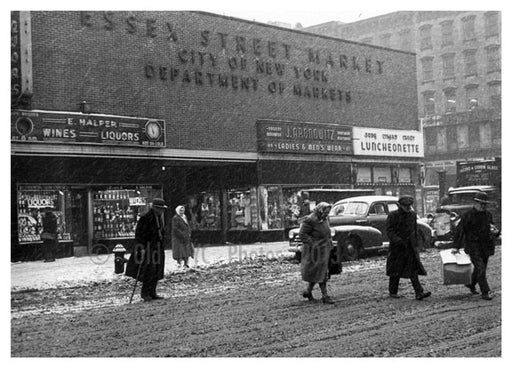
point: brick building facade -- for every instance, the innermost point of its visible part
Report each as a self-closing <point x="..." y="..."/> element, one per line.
<point x="233" y="118"/>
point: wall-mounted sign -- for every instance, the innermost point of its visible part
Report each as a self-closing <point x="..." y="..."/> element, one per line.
<point x="293" y="137"/>
<point x="75" y="128"/>
<point x="386" y="142"/>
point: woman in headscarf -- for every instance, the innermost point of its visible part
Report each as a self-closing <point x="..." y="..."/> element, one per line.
<point x="180" y="237"/>
<point x="315" y="234"/>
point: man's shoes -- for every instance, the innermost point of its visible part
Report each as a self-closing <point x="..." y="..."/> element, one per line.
<point x="326" y="299"/>
<point x="157" y="297"/>
<point x="308" y="295"/>
<point x="472" y="289"/>
<point x="423" y="295"/>
<point x="146" y="298"/>
<point x="395" y="296"/>
<point x="486" y="297"/>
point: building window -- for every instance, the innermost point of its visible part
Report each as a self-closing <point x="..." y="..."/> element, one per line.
<point x="496" y="134"/>
<point x="430" y="140"/>
<point x="447" y="33"/>
<point x="472" y="97"/>
<point x="470" y="62"/>
<point x="405" y="40"/>
<point x="462" y="136"/>
<point x="441" y="140"/>
<point x="425" y="37"/>
<point x="450" y="100"/>
<point x="474" y="136"/>
<point x="367" y="40"/>
<point x="427" y="66"/>
<point x="485" y="135"/>
<point x="492" y="27"/>
<point x="448" y="66"/>
<point x="385" y="40"/>
<point x="495" y="95"/>
<point x="429" y="103"/>
<point x="452" y="138"/>
<point x="493" y="59"/>
<point x="468" y="28"/>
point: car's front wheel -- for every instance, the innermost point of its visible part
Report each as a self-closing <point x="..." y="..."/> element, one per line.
<point x="351" y="249"/>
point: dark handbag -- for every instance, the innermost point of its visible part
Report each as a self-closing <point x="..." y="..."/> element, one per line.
<point x="335" y="266"/>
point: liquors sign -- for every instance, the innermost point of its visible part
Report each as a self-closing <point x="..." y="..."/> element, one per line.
<point x="73" y="128"/>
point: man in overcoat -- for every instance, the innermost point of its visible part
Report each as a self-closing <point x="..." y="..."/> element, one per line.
<point x="315" y="234"/>
<point x="474" y="234"/>
<point x="403" y="257"/>
<point x="149" y="250"/>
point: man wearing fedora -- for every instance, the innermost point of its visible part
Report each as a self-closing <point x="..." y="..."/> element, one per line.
<point x="147" y="259"/>
<point x="403" y="257"/>
<point x="474" y="234"/>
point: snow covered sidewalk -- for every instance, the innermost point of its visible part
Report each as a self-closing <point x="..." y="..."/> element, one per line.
<point x="75" y="271"/>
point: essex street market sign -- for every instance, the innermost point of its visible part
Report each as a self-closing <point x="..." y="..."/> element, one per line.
<point x="295" y="137"/>
<point x="74" y="128"/>
<point x="386" y="142"/>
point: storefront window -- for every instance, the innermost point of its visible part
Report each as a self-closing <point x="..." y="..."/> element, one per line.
<point x="117" y="210"/>
<point x="203" y="211"/>
<point x="242" y="210"/>
<point x="382" y="174"/>
<point x="33" y="202"/>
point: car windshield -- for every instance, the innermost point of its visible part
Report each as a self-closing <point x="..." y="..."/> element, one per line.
<point x="465" y="197"/>
<point x="350" y="208"/>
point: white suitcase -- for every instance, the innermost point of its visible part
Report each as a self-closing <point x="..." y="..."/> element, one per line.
<point x="457" y="268"/>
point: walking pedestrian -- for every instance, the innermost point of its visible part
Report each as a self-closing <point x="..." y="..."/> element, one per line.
<point x="149" y="251"/>
<point x="182" y="248"/>
<point x="474" y="234"/>
<point x="403" y="258"/>
<point x="49" y="235"/>
<point x="315" y="234"/>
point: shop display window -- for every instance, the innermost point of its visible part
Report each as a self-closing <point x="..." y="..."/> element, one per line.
<point x="33" y="202"/>
<point x="242" y="210"/>
<point x="116" y="210"/>
<point x="203" y="211"/>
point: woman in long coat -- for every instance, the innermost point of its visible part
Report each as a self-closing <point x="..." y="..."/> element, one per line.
<point x="315" y="234"/>
<point x="180" y="237"/>
<point x="403" y="257"/>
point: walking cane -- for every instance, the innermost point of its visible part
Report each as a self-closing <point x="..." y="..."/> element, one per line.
<point x="137" y="277"/>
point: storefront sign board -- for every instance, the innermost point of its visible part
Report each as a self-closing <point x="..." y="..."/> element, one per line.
<point x="75" y="128"/>
<point x="298" y="137"/>
<point x="387" y="142"/>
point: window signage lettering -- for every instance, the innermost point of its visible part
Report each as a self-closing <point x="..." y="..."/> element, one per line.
<point x="240" y="63"/>
<point x="294" y="137"/>
<point x="56" y="127"/>
<point x="15" y="56"/>
<point x="384" y="142"/>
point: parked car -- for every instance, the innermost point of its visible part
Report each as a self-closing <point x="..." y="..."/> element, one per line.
<point x="457" y="202"/>
<point x="358" y="226"/>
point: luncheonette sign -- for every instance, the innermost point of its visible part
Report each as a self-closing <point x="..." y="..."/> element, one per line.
<point x="385" y="142"/>
<point x="295" y="137"/>
<point x="73" y="128"/>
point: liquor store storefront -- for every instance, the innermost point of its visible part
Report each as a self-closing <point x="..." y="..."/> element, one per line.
<point x="96" y="196"/>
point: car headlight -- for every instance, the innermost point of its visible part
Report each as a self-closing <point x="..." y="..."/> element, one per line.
<point x="333" y="232"/>
<point x="291" y="234"/>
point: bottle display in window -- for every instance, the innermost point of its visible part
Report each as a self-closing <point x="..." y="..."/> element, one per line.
<point x="32" y="202"/>
<point x="116" y="211"/>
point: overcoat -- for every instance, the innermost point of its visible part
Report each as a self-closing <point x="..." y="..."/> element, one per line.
<point x="149" y="235"/>
<point x="403" y="257"/>
<point x="474" y="233"/>
<point x="316" y="249"/>
<point x="180" y="238"/>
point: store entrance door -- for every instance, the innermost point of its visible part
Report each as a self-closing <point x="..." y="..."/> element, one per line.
<point x="79" y="217"/>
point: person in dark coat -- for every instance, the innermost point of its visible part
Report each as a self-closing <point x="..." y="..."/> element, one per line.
<point x="49" y="235"/>
<point x="315" y="234"/>
<point x="403" y="258"/>
<point x="182" y="248"/>
<point x="474" y="234"/>
<point x="149" y="251"/>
